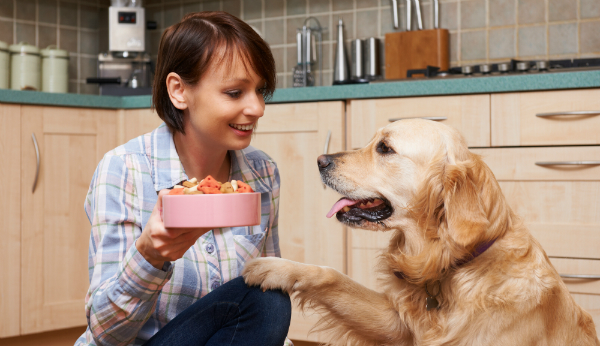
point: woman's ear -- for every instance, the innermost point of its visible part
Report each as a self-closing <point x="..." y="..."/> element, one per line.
<point x="176" y="88"/>
<point x="464" y="210"/>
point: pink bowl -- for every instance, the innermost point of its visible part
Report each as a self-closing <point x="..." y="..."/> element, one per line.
<point x="219" y="210"/>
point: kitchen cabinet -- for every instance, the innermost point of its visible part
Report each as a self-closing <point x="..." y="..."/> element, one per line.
<point x="10" y="222"/>
<point x="470" y="114"/>
<point x="565" y="117"/>
<point x="54" y="228"/>
<point x="294" y="135"/>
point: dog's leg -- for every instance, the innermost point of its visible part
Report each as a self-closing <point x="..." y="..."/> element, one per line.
<point x="352" y="312"/>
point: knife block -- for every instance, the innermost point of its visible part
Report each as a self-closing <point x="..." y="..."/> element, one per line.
<point x="410" y="50"/>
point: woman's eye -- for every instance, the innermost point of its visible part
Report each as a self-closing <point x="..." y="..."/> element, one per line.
<point x="234" y="94"/>
<point x="384" y="149"/>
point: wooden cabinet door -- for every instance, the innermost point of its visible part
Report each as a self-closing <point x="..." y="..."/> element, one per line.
<point x="136" y="122"/>
<point x="55" y="229"/>
<point x="564" y="117"/>
<point x="10" y="222"/>
<point x="294" y="135"/>
<point x="470" y="114"/>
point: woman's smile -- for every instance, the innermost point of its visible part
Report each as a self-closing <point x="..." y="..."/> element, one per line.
<point x="242" y="129"/>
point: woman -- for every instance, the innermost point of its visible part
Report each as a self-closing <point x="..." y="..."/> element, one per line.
<point x="153" y="286"/>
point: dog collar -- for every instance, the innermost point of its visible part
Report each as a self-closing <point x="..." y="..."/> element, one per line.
<point x="431" y="302"/>
<point x="478" y="251"/>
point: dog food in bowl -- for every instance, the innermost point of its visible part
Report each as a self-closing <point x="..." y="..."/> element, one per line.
<point x="211" y="204"/>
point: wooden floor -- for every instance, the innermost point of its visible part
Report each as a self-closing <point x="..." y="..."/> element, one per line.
<point x="67" y="337"/>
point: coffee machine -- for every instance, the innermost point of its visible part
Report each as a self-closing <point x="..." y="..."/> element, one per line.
<point x="126" y="69"/>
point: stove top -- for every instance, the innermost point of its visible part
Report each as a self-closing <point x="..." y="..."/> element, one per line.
<point x="513" y="67"/>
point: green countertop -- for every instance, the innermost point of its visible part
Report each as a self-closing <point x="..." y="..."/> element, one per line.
<point x="418" y="87"/>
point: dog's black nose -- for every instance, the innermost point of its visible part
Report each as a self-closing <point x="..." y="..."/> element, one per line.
<point x="324" y="161"/>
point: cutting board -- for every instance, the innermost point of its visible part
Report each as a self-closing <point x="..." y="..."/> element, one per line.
<point x="411" y="50"/>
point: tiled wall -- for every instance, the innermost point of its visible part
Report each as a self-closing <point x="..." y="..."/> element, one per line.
<point x="71" y="25"/>
<point x="480" y="30"/>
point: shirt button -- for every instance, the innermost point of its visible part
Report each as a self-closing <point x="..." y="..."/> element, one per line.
<point x="215" y="285"/>
<point x="210" y="248"/>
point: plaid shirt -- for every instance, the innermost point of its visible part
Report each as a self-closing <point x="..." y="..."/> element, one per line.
<point x="129" y="300"/>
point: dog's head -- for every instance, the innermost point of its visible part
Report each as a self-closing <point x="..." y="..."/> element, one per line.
<point x="418" y="177"/>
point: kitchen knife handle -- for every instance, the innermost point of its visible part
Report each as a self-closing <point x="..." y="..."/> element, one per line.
<point x="576" y="276"/>
<point x="544" y="115"/>
<point x="395" y="13"/>
<point x="568" y="163"/>
<point x="37" y="167"/>
<point x="391" y="120"/>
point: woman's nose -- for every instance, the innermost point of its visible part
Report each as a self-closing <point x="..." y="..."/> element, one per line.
<point x="255" y="106"/>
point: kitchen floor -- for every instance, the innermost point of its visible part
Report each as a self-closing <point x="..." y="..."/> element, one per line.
<point x="67" y="337"/>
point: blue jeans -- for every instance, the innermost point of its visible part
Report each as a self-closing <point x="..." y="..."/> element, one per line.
<point x="233" y="314"/>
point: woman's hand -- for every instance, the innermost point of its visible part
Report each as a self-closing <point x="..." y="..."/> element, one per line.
<point x="158" y="244"/>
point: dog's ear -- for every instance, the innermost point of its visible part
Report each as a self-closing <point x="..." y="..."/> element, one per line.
<point x="464" y="210"/>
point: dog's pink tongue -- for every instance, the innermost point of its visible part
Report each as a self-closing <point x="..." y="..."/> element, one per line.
<point x="339" y="205"/>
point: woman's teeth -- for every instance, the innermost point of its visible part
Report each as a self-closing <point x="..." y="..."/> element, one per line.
<point x="242" y="127"/>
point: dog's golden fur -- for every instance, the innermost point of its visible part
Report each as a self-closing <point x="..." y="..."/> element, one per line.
<point x="445" y="202"/>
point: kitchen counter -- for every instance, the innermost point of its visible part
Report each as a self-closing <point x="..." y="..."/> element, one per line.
<point x="415" y="87"/>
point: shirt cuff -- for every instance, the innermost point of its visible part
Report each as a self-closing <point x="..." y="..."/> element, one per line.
<point x="139" y="278"/>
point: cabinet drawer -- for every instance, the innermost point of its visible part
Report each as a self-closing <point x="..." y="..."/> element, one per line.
<point x="470" y="114"/>
<point x="560" y="206"/>
<point x="546" y="118"/>
<point x="543" y="164"/>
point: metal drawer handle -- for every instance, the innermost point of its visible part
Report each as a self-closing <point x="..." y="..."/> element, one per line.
<point x="37" y="167"/>
<point x="568" y="163"/>
<point x="542" y="115"/>
<point x="426" y="118"/>
<point x="573" y="276"/>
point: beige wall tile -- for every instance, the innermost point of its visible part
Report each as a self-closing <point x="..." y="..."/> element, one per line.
<point x="532" y="41"/>
<point x="559" y="10"/>
<point x="590" y="37"/>
<point x="531" y="11"/>
<point x="473" y="45"/>
<point x="502" y="43"/>
<point x="590" y="8"/>
<point x="472" y="14"/>
<point x="562" y="39"/>
<point x="502" y="12"/>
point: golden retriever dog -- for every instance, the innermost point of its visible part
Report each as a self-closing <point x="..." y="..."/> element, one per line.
<point x="460" y="269"/>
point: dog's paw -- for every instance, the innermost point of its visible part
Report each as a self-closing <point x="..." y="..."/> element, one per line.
<point x="271" y="273"/>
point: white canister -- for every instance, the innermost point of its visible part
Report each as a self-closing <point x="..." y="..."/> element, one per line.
<point x="55" y="70"/>
<point x="24" y="67"/>
<point x="4" y="66"/>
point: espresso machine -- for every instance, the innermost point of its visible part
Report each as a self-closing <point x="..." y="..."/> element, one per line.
<point x="126" y="69"/>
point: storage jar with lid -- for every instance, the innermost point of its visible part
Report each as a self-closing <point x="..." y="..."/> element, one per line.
<point x="25" y="67"/>
<point x="55" y="70"/>
<point x="4" y="66"/>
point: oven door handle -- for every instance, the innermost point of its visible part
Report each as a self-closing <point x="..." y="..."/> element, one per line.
<point x="568" y="163"/>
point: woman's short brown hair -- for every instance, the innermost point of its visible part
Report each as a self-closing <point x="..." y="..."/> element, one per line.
<point x="189" y="47"/>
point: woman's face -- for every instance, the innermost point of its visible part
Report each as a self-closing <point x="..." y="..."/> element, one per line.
<point x="225" y="105"/>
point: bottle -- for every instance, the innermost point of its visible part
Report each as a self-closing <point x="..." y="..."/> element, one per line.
<point x="340" y="69"/>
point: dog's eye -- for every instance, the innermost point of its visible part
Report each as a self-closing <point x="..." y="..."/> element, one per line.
<point x="384" y="149"/>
